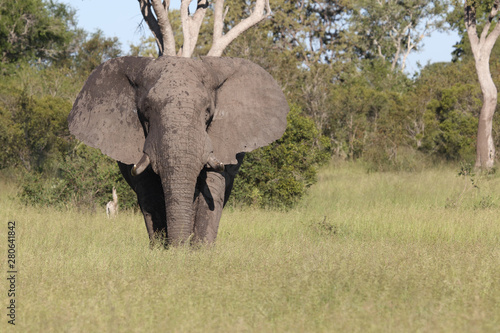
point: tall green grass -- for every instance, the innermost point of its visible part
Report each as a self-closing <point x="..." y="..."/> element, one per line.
<point x="364" y="252"/>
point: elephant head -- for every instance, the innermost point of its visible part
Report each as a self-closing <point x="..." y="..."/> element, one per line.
<point x="183" y="118"/>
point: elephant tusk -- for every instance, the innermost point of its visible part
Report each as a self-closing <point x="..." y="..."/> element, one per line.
<point x="215" y="164"/>
<point x="138" y="168"/>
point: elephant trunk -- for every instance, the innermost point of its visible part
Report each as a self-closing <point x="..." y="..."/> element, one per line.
<point x="179" y="194"/>
<point x="180" y="162"/>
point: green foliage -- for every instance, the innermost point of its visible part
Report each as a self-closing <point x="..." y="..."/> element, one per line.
<point x="278" y="175"/>
<point x="43" y="122"/>
<point x="53" y="81"/>
<point x="35" y="132"/>
<point x="11" y="136"/>
<point x="146" y="48"/>
<point x="368" y="118"/>
<point x="472" y="193"/>
<point x="94" y="50"/>
<point x="84" y="179"/>
<point x="389" y="30"/>
<point x="33" y="30"/>
<point x="50" y="58"/>
<point x="451" y="122"/>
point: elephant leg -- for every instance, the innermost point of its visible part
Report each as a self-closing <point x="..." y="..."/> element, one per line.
<point x="150" y="197"/>
<point x="213" y="190"/>
<point x="212" y="193"/>
<point x="208" y="206"/>
<point x="153" y="209"/>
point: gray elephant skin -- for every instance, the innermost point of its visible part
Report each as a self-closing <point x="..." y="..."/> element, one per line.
<point x="179" y="128"/>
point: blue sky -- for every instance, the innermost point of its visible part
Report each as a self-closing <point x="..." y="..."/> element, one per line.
<point x="122" y="18"/>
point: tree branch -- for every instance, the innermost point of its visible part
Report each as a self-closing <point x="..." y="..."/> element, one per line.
<point x="162" y="29"/>
<point x="220" y="42"/>
<point x="150" y="19"/>
<point x="487" y="38"/>
<point x="191" y="25"/>
<point x="491" y="16"/>
<point x="186" y="25"/>
<point x="218" y="19"/>
<point x="197" y="21"/>
<point x="471" y="27"/>
<point x="495" y="33"/>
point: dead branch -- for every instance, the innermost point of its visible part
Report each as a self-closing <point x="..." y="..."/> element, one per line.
<point x="261" y="11"/>
<point x="159" y="24"/>
<point x="191" y="25"/>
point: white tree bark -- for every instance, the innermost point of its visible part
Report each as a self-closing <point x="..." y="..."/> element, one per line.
<point x="191" y="26"/>
<point x="261" y="11"/>
<point x="159" y="24"/>
<point x="481" y="49"/>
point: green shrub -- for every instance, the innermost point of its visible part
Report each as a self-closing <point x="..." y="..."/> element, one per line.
<point x="85" y="179"/>
<point x="34" y="131"/>
<point x="451" y="123"/>
<point x="278" y="175"/>
<point x="11" y="137"/>
<point x="44" y="123"/>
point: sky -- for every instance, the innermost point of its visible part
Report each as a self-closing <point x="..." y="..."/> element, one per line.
<point x="122" y="19"/>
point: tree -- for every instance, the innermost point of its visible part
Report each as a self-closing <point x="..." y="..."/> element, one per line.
<point x="482" y="46"/>
<point x="43" y="122"/>
<point x="33" y="30"/>
<point x="161" y="27"/>
<point x="95" y="50"/>
<point x="392" y="29"/>
<point x="145" y="48"/>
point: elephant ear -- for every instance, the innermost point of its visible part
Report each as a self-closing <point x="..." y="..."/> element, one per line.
<point x="104" y="115"/>
<point x="250" y="108"/>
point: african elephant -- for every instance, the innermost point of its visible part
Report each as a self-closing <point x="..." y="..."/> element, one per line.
<point x="179" y="128"/>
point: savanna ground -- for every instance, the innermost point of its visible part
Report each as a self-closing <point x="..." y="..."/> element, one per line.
<point x="364" y="252"/>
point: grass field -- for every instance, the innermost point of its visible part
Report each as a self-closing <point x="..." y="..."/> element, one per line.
<point x="364" y="252"/>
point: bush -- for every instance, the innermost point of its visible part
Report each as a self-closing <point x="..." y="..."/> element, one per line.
<point x="11" y="137"/>
<point x="451" y="123"/>
<point x="44" y="123"/>
<point x="85" y="179"/>
<point x="278" y="175"/>
<point x="34" y="131"/>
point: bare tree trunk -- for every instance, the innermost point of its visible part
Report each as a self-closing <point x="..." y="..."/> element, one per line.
<point x="485" y="147"/>
<point x="481" y="48"/>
